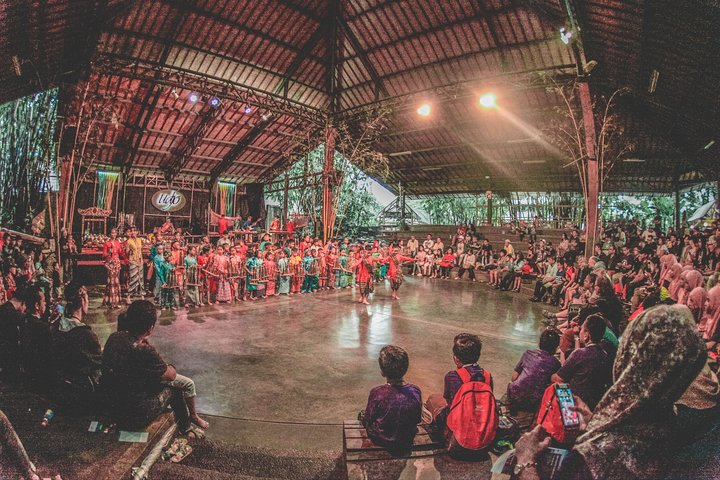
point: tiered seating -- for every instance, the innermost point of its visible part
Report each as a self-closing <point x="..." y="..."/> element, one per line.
<point x="496" y="235"/>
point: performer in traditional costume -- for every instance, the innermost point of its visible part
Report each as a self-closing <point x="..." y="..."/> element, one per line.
<point x="111" y="254"/>
<point x="178" y="261"/>
<point x="394" y="262"/>
<point x="364" y="269"/>
<point x="192" y="278"/>
<point x="322" y="269"/>
<point x="252" y="267"/>
<point x="296" y="271"/>
<point x="203" y="278"/>
<point x="284" y="275"/>
<point x="133" y="250"/>
<point x="237" y="273"/>
<point x="221" y="264"/>
<point x="271" y="273"/>
<point x="331" y="267"/>
<point x="168" y="288"/>
<point x="342" y="270"/>
<point x="311" y="271"/>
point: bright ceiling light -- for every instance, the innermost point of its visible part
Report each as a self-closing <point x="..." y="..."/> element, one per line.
<point x="248" y="110"/>
<point x="194" y="97"/>
<point x="214" y="102"/>
<point x="488" y="100"/>
<point x="565" y="35"/>
<point x="424" y="110"/>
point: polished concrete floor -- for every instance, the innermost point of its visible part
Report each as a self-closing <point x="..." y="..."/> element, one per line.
<point x="301" y="365"/>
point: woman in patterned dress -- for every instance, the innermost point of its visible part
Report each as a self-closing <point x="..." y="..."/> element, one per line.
<point x="221" y="264"/>
<point x="252" y="265"/>
<point x="112" y="265"/>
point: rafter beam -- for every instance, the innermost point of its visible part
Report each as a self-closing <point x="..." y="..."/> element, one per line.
<point x="372" y="71"/>
<point x="190" y="142"/>
<point x="193" y="8"/>
<point x="461" y="57"/>
<point x="187" y="79"/>
<point x="239" y="147"/>
<point x="203" y="51"/>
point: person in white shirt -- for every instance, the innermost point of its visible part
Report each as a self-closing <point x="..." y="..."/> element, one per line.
<point x="428" y="243"/>
<point x="412" y="246"/>
<point x="467" y="264"/>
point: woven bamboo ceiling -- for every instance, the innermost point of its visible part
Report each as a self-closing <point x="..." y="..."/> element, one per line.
<point x="280" y="66"/>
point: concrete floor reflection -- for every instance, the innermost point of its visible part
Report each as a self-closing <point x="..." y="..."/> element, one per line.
<point x="313" y="358"/>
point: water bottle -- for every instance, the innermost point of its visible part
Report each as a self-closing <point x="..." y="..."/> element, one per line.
<point x="49" y="415"/>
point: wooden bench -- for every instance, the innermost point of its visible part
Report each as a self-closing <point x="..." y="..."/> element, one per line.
<point x="363" y="456"/>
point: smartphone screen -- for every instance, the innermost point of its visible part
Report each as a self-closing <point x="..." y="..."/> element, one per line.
<point x="565" y="400"/>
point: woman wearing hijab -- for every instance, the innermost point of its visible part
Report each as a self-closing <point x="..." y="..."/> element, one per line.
<point x="691" y="279"/>
<point x="632" y="432"/>
<point x="675" y="280"/>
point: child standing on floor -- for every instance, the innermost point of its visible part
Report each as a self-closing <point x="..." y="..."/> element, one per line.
<point x="296" y="271"/>
<point x="168" y="288"/>
<point x="192" y="293"/>
<point x="394" y="409"/>
<point x="284" y="275"/>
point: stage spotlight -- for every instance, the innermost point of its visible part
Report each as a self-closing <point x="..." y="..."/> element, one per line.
<point x="266" y="116"/>
<point x="174" y="93"/>
<point x="194" y="97"/>
<point x="248" y="110"/>
<point x="214" y="102"/>
<point x="424" y="110"/>
<point x="488" y="100"/>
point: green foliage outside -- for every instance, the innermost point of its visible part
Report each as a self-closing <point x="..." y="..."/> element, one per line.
<point x="646" y="207"/>
<point x="357" y="209"/>
<point x="27" y="155"/>
<point x="560" y="207"/>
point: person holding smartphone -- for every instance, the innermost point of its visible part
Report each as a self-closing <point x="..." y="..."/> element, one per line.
<point x="631" y="433"/>
<point x="588" y="369"/>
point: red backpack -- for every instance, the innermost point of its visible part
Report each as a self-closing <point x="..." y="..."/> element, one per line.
<point x="473" y="417"/>
<point x="550" y="417"/>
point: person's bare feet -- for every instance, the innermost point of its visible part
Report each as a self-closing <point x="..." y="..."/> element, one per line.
<point x="199" y="422"/>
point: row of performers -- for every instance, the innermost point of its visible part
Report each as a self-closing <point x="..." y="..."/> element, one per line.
<point x="226" y="275"/>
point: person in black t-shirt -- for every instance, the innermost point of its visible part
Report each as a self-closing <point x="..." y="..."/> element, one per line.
<point x="11" y="314"/>
<point x="138" y="380"/>
<point x="35" y="357"/>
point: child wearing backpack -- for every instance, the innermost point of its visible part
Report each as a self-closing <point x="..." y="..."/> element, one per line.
<point x="394" y="409"/>
<point x="466" y="414"/>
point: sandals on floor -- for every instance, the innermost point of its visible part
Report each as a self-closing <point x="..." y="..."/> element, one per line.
<point x="193" y="432"/>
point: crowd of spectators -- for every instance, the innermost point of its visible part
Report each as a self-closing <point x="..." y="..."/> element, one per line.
<point x="635" y="338"/>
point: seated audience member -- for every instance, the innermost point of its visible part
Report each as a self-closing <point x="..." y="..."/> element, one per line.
<point x="632" y="433"/>
<point x="139" y="382"/>
<point x="532" y="374"/>
<point x="35" y="358"/>
<point x="588" y="369"/>
<point x="394" y="409"/>
<point x="75" y="348"/>
<point x="546" y="281"/>
<point x="466" y="354"/>
<point x="11" y="315"/>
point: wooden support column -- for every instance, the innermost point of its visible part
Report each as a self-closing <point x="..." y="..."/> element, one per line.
<point x="593" y="178"/>
<point x="286" y="190"/>
<point x="489" y="207"/>
<point x="328" y="212"/>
